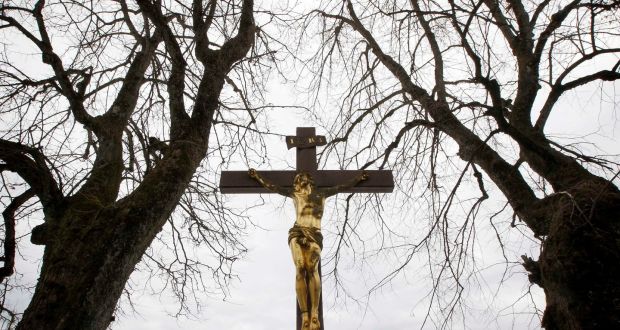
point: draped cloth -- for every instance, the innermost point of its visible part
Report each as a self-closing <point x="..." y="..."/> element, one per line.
<point x="305" y="235"/>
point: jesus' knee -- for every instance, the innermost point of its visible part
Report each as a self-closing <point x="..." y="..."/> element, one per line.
<point x="315" y="257"/>
<point x="313" y="273"/>
<point x="300" y="274"/>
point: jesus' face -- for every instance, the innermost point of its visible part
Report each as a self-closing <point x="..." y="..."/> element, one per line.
<point x="303" y="181"/>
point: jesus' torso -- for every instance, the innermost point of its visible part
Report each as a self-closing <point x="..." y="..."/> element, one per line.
<point x="308" y="207"/>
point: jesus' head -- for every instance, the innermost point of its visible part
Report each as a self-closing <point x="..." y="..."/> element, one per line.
<point x="303" y="181"/>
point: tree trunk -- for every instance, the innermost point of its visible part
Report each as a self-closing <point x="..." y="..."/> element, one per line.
<point x="580" y="260"/>
<point x="91" y="249"/>
<point x="85" y="270"/>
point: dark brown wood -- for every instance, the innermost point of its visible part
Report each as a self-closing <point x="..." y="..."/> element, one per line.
<point x="306" y="157"/>
<point x="306" y="161"/>
<point x="306" y="141"/>
<point x="239" y="182"/>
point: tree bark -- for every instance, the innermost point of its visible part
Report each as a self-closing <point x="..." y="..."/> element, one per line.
<point x="83" y="277"/>
<point x="580" y="258"/>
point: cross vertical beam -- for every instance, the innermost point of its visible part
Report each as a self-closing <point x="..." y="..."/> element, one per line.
<point x="306" y="157"/>
<point x="306" y="161"/>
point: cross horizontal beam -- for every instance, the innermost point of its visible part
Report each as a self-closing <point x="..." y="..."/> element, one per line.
<point x="239" y="182"/>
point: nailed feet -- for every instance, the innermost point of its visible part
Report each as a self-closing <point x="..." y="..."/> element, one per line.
<point x="315" y="324"/>
<point x="309" y="323"/>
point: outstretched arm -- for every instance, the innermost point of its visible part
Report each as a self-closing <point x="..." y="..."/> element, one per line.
<point x="352" y="183"/>
<point x="268" y="184"/>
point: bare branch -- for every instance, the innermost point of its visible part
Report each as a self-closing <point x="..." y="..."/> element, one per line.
<point x="558" y="90"/>
<point x="554" y="23"/>
<point x="31" y="165"/>
<point x="9" y="233"/>
<point x="176" y="80"/>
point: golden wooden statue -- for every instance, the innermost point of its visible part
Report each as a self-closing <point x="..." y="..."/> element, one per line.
<point x="305" y="238"/>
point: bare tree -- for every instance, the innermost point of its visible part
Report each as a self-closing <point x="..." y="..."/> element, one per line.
<point x="130" y="111"/>
<point x="426" y="82"/>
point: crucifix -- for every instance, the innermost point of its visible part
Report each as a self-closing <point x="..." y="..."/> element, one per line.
<point x="308" y="187"/>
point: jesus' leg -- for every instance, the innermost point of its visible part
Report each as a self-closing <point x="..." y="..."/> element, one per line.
<point x="314" y="285"/>
<point x="301" y="286"/>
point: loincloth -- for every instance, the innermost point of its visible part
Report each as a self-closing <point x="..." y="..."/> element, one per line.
<point x="311" y="234"/>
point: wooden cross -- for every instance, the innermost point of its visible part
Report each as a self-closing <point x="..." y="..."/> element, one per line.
<point x="239" y="182"/>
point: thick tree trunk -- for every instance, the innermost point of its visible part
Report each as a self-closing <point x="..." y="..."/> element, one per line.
<point x="85" y="270"/>
<point x="580" y="260"/>
<point x="91" y="249"/>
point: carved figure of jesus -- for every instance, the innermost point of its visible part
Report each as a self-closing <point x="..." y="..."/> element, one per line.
<point x="305" y="239"/>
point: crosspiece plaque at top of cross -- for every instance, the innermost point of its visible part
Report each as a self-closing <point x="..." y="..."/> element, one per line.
<point x="378" y="181"/>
